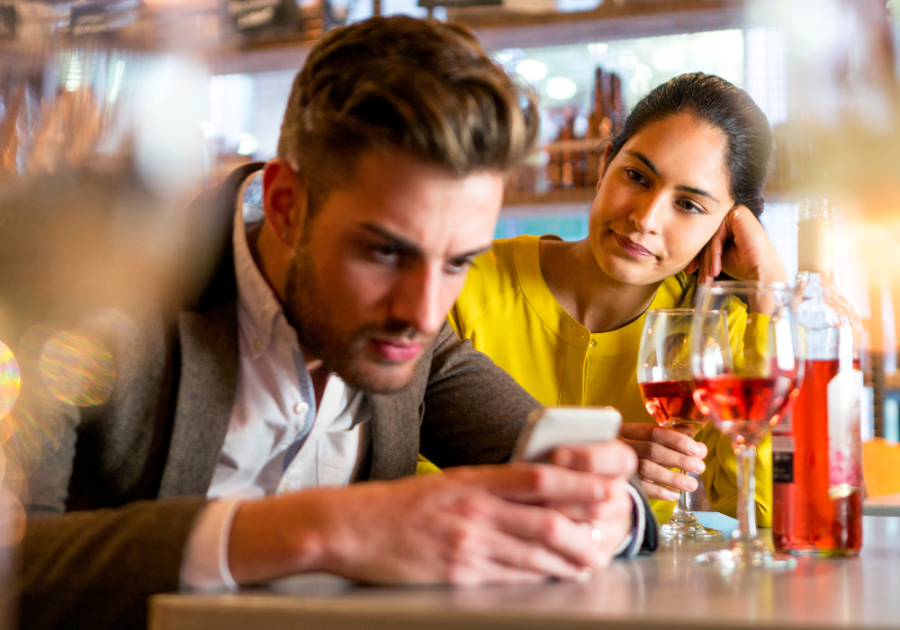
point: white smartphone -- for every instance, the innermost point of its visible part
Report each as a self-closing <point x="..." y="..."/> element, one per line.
<point x="548" y="428"/>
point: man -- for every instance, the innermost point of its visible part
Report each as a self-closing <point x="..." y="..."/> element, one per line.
<point x="310" y="350"/>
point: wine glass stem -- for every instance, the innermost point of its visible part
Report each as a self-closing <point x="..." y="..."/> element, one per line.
<point x="683" y="506"/>
<point x="746" y="482"/>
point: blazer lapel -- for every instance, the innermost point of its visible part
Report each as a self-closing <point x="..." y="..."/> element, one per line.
<point x="206" y="389"/>
<point x="395" y="434"/>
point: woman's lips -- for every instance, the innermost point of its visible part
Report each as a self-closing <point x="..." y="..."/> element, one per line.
<point x="396" y="352"/>
<point x="631" y="247"/>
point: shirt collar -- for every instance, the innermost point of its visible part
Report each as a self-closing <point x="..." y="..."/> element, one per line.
<point x="255" y="297"/>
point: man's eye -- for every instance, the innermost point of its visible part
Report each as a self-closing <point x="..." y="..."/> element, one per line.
<point x="386" y="251"/>
<point x="458" y="265"/>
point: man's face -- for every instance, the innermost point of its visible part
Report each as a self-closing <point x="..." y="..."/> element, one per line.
<point x="381" y="263"/>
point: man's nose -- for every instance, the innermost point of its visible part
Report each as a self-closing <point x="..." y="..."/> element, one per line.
<point x="418" y="299"/>
<point x="647" y="216"/>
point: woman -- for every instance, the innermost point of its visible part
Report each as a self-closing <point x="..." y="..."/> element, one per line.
<point x="680" y="192"/>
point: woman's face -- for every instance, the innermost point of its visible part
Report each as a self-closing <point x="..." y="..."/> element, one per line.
<point x="660" y="200"/>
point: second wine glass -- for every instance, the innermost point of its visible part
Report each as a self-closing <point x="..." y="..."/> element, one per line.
<point x="664" y="378"/>
<point x="747" y="395"/>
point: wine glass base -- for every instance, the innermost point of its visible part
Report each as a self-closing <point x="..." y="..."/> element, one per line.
<point x="750" y="554"/>
<point x="688" y="529"/>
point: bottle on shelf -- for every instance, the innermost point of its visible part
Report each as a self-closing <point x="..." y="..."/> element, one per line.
<point x="816" y="450"/>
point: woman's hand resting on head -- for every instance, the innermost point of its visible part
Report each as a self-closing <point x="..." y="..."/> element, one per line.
<point x="742" y="249"/>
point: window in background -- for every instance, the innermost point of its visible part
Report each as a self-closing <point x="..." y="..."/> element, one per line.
<point x="231" y="116"/>
<point x="641" y="63"/>
<point x="568" y="224"/>
<point x="553" y="192"/>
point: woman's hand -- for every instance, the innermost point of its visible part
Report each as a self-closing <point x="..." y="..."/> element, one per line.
<point x="659" y="450"/>
<point x="742" y="249"/>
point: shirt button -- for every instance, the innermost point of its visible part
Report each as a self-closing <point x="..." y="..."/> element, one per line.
<point x="593" y="343"/>
<point x="301" y="408"/>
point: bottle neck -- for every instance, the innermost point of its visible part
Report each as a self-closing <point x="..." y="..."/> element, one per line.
<point x="815" y="247"/>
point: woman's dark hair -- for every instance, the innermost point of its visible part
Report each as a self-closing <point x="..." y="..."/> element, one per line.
<point x="713" y="100"/>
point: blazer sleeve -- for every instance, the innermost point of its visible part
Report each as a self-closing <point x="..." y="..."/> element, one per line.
<point x="473" y="410"/>
<point x="644" y="530"/>
<point x="93" y="569"/>
<point x="84" y="562"/>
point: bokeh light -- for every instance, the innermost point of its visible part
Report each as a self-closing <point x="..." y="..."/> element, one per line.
<point x="13" y="474"/>
<point x="29" y="435"/>
<point x="10" y="380"/>
<point x="77" y="369"/>
<point x="12" y="525"/>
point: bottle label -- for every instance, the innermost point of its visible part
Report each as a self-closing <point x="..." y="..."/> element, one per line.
<point x="844" y="448"/>
<point x="783" y="458"/>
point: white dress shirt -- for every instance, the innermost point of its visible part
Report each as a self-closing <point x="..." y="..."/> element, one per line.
<point x="277" y="441"/>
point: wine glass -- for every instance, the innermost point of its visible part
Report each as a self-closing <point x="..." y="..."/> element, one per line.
<point x="664" y="378"/>
<point x="748" y="395"/>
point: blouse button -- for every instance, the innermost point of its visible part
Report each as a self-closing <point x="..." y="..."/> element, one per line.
<point x="593" y="343"/>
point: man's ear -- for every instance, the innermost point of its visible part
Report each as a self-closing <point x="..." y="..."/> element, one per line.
<point x="604" y="162"/>
<point x="284" y="201"/>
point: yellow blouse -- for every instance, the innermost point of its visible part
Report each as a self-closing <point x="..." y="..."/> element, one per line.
<point x="508" y="312"/>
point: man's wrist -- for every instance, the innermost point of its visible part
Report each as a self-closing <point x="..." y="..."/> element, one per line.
<point x="277" y="536"/>
<point x="205" y="562"/>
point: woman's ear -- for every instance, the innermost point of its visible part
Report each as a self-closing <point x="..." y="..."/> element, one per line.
<point x="604" y="162"/>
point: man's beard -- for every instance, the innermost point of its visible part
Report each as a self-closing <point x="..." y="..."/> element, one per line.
<point x="343" y="354"/>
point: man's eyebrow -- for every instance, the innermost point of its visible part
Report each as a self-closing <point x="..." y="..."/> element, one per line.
<point x="476" y="252"/>
<point x="399" y="241"/>
<point x="411" y="247"/>
<point x="697" y="191"/>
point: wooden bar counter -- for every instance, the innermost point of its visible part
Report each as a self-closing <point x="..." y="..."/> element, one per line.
<point x="665" y="590"/>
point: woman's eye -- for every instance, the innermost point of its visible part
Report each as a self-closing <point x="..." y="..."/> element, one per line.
<point x="635" y="176"/>
<point x="690" y="207"/>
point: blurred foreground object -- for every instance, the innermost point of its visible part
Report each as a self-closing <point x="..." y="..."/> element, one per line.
<point x="843" y="141"/>
<point x="102" y="106"/>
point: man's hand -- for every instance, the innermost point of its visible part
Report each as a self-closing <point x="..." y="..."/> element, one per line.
<point x="659" y="450"/>
<point x="469" y="526"/>
<point x="616" y="463"/>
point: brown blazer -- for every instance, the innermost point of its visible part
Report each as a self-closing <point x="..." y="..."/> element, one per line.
<point x="113" y="506"/>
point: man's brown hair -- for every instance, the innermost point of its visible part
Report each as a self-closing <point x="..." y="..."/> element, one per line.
<point x="421" y="86"/>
